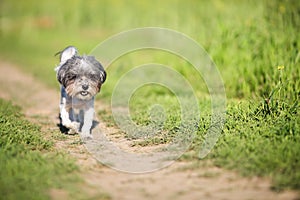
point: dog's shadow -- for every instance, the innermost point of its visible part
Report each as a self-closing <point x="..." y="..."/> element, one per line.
<point x="66" y="131"/>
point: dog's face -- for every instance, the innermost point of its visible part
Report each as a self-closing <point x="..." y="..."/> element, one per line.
<point x="82" y="77"/>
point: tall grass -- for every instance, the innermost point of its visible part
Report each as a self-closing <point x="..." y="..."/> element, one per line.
<point x="246" y="46"/>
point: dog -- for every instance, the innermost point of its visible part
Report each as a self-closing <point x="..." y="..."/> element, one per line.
<point x="81" y="78"/>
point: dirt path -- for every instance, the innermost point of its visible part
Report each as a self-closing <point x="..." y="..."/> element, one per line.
<point x="181" y="180"/>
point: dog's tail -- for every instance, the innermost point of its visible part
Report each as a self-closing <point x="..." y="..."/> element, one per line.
<point x="66" y="54"/>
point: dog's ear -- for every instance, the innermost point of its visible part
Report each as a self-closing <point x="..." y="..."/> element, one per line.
<point x="102" y="76"/>
<point x="67" y="71"/>
<point x="98" y="66"/>
<point x="60" y="75"/>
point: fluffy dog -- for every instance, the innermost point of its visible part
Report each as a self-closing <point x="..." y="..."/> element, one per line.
<point x="81" y="78"/>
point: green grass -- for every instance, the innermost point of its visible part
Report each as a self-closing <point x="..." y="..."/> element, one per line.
<point x="28" y="163"/>
<point x="256" y="143"/>
<point x="30" y="166"/>
<point x="247" y="40"/>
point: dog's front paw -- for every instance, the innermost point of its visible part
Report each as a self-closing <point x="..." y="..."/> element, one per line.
<point x="86" y="135"/>
<point x="74" y="128"/>
<point x="67" y="124"/>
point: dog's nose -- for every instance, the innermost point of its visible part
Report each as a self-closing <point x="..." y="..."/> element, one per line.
<point x="85" y="86"/>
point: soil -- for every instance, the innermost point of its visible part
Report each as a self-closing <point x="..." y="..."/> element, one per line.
<point x="179" y="180"/>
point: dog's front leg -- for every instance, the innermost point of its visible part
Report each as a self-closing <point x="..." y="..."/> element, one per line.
<point x="87" y="123"/>
<point x="64" y="115"/>
<point x="66" y="120"/>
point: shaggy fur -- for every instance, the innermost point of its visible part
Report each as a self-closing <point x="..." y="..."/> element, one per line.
<point x="81" y="78"/>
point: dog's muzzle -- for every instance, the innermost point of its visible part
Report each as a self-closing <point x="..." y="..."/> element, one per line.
<point x="85" y="87"/>
<point x="84" y="93"/>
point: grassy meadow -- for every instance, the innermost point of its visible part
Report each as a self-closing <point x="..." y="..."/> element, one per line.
<point x="254" y="44"/>
<point x="29" y="165"/>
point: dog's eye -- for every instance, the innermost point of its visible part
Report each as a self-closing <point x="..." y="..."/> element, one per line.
<point x="71" y="76"/>
<point x="94" y="77"/>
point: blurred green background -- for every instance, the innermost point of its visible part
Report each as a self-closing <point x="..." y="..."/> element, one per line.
<point x="246" y="39"/>
<point x="254" y="44"/>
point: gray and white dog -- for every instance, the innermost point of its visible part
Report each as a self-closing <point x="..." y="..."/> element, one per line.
<point x="81" y="78"/>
